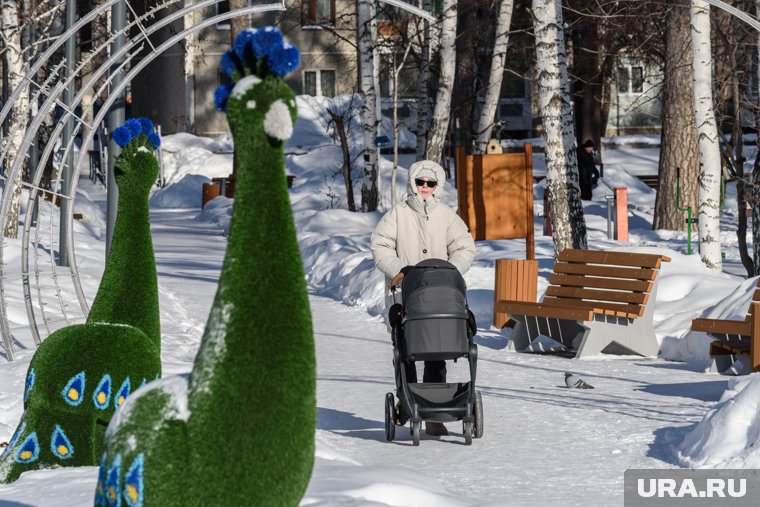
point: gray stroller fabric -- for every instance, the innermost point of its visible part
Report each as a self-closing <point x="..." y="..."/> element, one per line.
<point x="435" y="311"/>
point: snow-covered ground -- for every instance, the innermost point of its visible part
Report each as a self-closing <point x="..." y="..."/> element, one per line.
<point x="543" y="443"/>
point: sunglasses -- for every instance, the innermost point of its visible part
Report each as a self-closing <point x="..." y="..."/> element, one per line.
<point x="422" y="183"/>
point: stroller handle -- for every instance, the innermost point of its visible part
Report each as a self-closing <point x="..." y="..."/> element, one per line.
<point x="396" y="280"/>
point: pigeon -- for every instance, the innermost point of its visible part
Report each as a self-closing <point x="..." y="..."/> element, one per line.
<point x="576" y="382"/>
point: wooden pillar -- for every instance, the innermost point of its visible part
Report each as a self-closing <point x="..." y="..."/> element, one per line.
<point x="621" y="214"/>
<point x="516" y="280"/>
<point x="210" y="190"/>
<point x="754" y="339"/>
<point x="530" y="239"/>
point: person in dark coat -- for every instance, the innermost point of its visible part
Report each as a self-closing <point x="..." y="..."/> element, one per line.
<point x="587" y="170"/>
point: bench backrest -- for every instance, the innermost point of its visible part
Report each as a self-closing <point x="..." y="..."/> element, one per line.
<point x="613" y="283"/>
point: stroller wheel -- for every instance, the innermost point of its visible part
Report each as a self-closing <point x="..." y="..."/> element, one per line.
<point x="390" y="426"/>
<point x="478" y="414"/>
<point x="416" y="425"/>
<point x="467" y="427"/>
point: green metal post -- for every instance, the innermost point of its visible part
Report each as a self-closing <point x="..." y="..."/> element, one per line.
<point x="687" y="210"/>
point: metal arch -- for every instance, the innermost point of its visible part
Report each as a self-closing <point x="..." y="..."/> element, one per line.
<point x="42" y="89"/>
<point x="124" y="52"/>
<point x="411" y="8"/>
<point x="51" y="99"/>
<point x="735" y="12"/>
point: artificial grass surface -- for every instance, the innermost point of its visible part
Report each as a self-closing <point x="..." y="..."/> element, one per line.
<point x="240" y="430"/>
<point x="80" y="374"/>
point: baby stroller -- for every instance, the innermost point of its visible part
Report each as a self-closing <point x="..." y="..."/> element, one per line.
<point x="432" y="324"/>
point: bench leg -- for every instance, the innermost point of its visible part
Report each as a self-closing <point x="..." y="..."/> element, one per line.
<point x="527" y="328"/>
<point x="721" y="363"/>
<point x="618" y="336"/>
<point x="520" y="337"/>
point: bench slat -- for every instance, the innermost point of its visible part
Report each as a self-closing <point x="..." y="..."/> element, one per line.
<point x="720" y="326"/>
<point x="602" y="283"/>
<point x="756" y="294"/>
<point x="614" y="258"/>
<point x="616" y="310"/>
<point x="638" y="298"/>
<point x="541" y="310"/>
<point x="605" y="271"/>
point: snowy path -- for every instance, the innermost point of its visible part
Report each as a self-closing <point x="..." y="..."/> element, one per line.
<point x="539" y="445"/>
<point x="187" y="282"/>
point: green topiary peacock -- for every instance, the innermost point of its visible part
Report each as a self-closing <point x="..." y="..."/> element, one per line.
<point x="240" y="430"/>
<point x="82" y="373"/>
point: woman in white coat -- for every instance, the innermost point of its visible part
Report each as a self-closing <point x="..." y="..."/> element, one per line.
<point x="419" y="228"/>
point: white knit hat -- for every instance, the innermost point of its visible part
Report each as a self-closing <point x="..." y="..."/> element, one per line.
<point x="427" y="173"/>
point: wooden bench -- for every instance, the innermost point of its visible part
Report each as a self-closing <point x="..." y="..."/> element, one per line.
<point x="735" y="340"/>
<point x="596" y="302"/>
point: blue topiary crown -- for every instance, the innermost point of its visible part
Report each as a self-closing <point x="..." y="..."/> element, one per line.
<point x="261" y="52"/>
<point x="136" y="132"/>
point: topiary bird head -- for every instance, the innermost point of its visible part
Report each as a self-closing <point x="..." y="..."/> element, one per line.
<point x="137" y="167"/>
<point x="256" y="65"/>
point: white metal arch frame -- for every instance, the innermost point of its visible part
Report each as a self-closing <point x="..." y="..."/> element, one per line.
<point x="736" y="12"/>
<point x="129" y="50"/>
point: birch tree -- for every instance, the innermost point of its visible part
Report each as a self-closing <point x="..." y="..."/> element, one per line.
<point x="707" y="137"/>
<point x="192" y="54"/>
<point x="496" y="74"/>
<point x="369" y="191"/>
<point x="423" y="100"/>
<point x="397" y="67"/>
<point x="756" y="167"/>
<point x="439" y="123"/>
<point x="565" y="208"/>
<point x="10" y="31"/>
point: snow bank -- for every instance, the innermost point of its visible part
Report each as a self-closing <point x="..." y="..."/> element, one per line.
<point x="185" y="193"/>
<point x="729" y="435"/>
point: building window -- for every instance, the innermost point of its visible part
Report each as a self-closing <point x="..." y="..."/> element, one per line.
<point x="630" y="79"/>
<point x="317" y="12"/>
<point x="514" y="109"/>
<point x="221" y="8"/>
<point x="319" y="82"/>
<point x="637" y="79"/>
<point x="513" y="86"/>
<point x="622" y="80"/>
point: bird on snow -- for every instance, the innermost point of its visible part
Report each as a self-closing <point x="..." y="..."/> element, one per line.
<point x="576" y="382"/>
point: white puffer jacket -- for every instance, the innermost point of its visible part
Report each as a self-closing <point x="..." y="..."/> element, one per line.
<point x="417" y="229"/>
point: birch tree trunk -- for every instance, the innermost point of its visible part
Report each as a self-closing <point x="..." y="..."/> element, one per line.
<point x="11" y="35"/>
<point x="439" y="123"/>
<point x="756" y="167"/>
<point x="397" y="66"/>
<point x="678" y="147"/>
<point x="192" y="52"/>
<point x="376" y="65"/>
<point x="707" y="137"/>
<point x="369" y="117"/>
<point x="565" y="208"/>
<point x="423" y="101"/>
<point x="493" y="90"/>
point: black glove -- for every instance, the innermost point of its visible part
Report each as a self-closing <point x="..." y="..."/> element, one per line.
<point x="406" y="269"/>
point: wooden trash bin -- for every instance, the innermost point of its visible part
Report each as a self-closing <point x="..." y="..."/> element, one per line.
<point x="209" y="191"/>
<point x="495" y="195"/>
<point x="229" y="186"/>
<point x="516" y="280"/>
